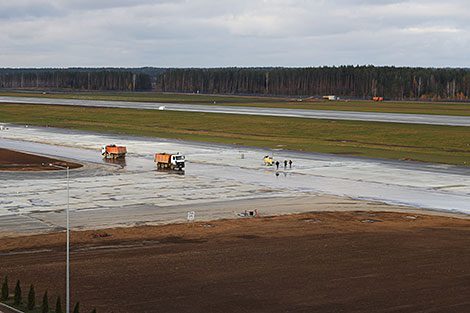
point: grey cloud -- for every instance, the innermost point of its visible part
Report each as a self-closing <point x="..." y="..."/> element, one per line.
<point x="109" y="4"/>
<point x="234" y="33"/>
<point x="15" y="10"/>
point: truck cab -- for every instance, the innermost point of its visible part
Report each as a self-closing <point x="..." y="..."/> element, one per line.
<point x="178" y="161"/>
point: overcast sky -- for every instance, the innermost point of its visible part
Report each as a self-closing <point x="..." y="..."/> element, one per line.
<point x="220" y="33"/>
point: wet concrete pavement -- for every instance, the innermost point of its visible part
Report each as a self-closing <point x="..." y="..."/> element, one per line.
<point x="219" y="181"/>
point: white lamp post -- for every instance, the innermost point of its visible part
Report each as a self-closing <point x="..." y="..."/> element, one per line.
<point x="67" y="279"/>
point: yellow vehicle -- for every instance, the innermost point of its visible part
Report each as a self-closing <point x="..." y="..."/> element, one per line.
<point x="269" y="160"/>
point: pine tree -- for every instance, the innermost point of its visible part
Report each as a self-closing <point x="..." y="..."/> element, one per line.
<point x="77" y="308"/>
<point x="31" y="298"/>
<point x="5" y="293"/>
<point x="45" y="303"/>
<point x="17" y="297"/>
<point x="58" y="306"/>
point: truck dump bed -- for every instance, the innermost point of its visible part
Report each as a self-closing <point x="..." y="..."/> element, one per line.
<point x="162" y="158"/>
<point x="116" y="150"/>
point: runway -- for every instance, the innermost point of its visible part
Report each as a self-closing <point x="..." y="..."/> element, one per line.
<point x="315" y="114"/>
<point x="219" y="182"/>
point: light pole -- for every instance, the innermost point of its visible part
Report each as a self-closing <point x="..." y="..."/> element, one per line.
<point x="67" y="275"/>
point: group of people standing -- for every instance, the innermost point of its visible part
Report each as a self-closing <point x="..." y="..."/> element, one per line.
<point x="285" y="164"/>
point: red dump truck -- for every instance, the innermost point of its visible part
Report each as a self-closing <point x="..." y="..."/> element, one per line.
<point x="113" y="151"/>
<point x="170" y="161"/>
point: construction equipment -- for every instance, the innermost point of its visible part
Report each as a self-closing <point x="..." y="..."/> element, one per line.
<point x="269" y="160"/>
<point x="378" y="99"/>
<point x="170" y="161"/>
<point x="113" y="151"/>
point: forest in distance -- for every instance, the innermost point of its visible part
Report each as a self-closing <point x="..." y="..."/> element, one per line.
<point x="363" y="82"/>
<point x="76" y="80"/>
<point x="348" y="81"/>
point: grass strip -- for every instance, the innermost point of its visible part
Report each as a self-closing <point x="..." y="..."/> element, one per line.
<point x="428" y="143"/>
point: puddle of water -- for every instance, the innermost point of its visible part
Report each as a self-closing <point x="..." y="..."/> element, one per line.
<point x="368" y="220"/>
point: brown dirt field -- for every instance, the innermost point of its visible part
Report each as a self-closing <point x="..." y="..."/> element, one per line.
<point x="20" y="161"/>
<point x="314" y="262"/>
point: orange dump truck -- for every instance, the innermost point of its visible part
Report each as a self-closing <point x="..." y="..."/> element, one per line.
<point x="171" y="161"/>
<point x="113" y="151"/>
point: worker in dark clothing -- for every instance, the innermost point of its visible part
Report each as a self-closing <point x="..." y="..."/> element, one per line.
<point x="290" y="163"/>
<point x="285" y="163"/>
<point x="277" y="164"/>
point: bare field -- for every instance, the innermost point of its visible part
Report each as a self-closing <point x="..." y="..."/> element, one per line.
<point x="313" y="262"/>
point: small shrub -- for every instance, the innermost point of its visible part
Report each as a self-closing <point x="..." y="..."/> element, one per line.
<point x="17" y="297"/>
<point x="5" y="293"/>
<point x="31" y="298"/>
<point x="77" y="308"/>
<point x="58" y="306"/>
<point x="45" y="303"/>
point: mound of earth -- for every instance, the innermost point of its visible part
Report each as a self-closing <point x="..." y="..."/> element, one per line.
<point x="19" y="161"/>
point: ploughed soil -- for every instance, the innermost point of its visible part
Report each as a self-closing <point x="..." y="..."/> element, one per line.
<point x="313" y="262"/>
<point x="20" y="161"/>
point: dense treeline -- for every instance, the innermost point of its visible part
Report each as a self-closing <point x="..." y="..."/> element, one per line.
<point x="152" y="71"/>
<point x="347" y="81"/>
<point x="76" y="80"/>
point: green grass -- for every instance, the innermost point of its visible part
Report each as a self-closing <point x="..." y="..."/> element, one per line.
<point x="411" y="107"/>
<point x="429" y="143"/>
